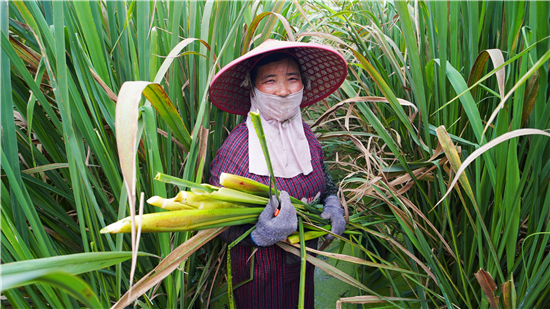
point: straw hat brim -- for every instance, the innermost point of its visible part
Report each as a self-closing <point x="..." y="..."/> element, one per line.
<point x="325" y="67"/>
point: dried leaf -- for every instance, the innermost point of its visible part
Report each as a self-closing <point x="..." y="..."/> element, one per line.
<point x="519" y="83"/>
<point x="126" y="122"/>
<point x="454" y="158"/>
<point x="355" y="260"/>
<point x="484" y="148"/>
<point x="364" y="99"/>
<point x="331" y="270"/>
<point x="477" y="69"/>
<point x="28" y="55"/>
<point x="488" y="285"/>
<point x="104" y="86"/>
<point x="401" y="248"/>
<point x="371" y="299"/>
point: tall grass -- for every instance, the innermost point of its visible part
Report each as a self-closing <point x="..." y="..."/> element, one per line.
<point x="418" y="101"/>
<point x="436" y="56"/>
<point x="66" y="182"/>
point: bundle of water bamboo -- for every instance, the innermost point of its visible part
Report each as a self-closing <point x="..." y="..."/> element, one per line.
<point x="239" y="201"/>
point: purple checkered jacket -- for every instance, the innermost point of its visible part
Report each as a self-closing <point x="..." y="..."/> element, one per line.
<point x="276" y="277"/>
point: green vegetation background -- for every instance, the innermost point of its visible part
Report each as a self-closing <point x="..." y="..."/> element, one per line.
<point x="431" y="87"/>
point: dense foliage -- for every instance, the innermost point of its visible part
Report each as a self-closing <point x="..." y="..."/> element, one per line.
<point x="421" y="101"/>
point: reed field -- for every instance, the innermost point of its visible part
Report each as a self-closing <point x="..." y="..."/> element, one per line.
<point x="438" y="141"/>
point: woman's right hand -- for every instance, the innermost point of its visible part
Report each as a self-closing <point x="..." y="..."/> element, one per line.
<point x="270" y="228"/>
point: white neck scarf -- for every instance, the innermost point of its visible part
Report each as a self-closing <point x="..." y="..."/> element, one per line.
<point x="284" y="133"/>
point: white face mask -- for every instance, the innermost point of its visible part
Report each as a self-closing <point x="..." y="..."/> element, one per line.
<point x="284" y="133"/>
<point x="274" y="107"/>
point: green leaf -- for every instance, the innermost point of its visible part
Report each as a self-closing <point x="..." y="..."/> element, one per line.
<point x="72" y="263"/>
<point x="467" y="100"/>
<point x="415" y="71"/>
<point x="388" y="93"/>
<point x="167" y="266"/>
<point x="167" y="111"/>
<point x="75" y="286"/>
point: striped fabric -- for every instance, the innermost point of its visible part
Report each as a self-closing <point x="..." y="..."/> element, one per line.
<point x="275" y="282"/>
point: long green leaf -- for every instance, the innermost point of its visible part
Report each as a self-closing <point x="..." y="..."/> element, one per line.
<point x="72" y="263"/>
<point x="167" y="265"/>
<point x="167" y="111"/>
<point x="76" y="287"/>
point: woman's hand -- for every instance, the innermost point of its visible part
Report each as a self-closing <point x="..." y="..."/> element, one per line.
<point x="271" y="229"/>
<point x="333" y="211"/>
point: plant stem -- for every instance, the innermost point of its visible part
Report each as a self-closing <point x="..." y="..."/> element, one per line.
<point x="229" y="276"/>
<point x="301" y="297"/>
<point x="257" y="122"/>
<point x="181" y="182"/>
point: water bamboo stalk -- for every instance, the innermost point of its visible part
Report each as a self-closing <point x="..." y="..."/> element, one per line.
<point x="251" y="186"/>
<point x="169" y="203"/>
<point x="186" y="220"/>
<point x="244" y="184"/>
<point x="189" y="200"/>
<point x="230" y="195"/>
<point x="308" y="235"/>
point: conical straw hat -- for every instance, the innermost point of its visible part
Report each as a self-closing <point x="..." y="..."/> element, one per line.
<point x="326" y="68"/>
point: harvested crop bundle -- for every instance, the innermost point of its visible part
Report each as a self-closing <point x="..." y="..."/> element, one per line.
<point x="240" y="202"/>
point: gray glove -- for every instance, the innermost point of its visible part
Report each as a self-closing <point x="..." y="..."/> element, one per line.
<point x="271" y="229"/>
<point x="333" y="211"/>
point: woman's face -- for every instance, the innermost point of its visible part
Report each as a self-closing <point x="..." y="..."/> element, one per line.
<point x="279" y="78"/>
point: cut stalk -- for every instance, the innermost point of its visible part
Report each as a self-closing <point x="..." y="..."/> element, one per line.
<point x="186" y="220"/>
<point x="205" y="201"/>
<point x="230" y="195"/>
<point x="295" y="237"/>
<point x="220" y="205"/>
<point x="248" y="185"/>
<point x="244" y="184"/>
<point x="184" y="183"/>
<point x="169" y="203"/>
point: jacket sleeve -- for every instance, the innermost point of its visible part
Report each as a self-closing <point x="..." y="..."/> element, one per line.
<point x="330" y="187"/>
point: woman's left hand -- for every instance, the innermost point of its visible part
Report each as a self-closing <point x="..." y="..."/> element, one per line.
<point x="333" y="211"/>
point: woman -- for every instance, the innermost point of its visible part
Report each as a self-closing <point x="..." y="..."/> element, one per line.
<point x="276" y="79"/>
